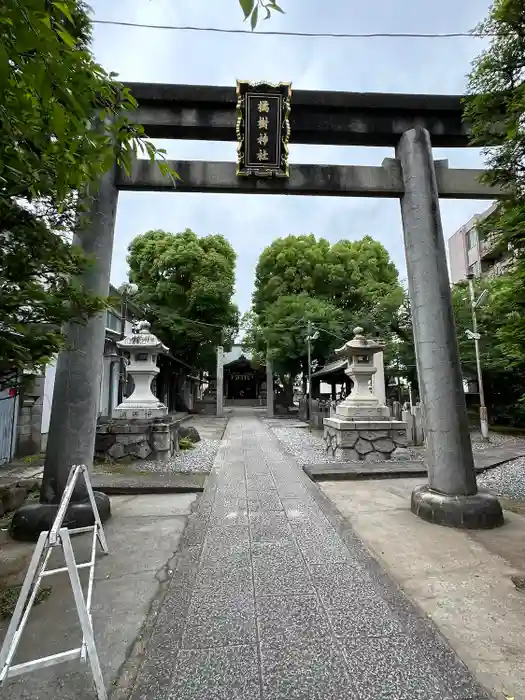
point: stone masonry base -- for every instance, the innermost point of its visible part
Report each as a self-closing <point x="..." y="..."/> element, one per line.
<point x="154" y="439"/>
<point x="368" y="445"/>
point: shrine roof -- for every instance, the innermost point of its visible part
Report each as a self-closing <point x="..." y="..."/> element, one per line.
<point x="235" y="354"/>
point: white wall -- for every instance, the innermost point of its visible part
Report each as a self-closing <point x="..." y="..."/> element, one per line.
<point x="49" y="386"/>
<point x="104" y="407"/>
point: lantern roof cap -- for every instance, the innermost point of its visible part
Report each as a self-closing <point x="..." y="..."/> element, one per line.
<point x="359" y="345"/>
<point x="141" y="337"/>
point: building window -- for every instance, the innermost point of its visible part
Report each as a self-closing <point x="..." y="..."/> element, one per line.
<point x="472" y="238"/>
<point x="113" y="321"/>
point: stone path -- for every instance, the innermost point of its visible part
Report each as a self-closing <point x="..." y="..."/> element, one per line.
<point x="273" y="597"/>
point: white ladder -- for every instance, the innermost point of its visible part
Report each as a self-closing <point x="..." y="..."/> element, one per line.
<point x="59" y="537"/>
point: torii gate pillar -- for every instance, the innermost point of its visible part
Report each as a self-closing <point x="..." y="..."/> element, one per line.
<point x="451" y="496"/>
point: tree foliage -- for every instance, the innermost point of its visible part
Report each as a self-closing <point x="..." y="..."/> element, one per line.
<point x="503" y="365"/>
<point x="39" y="291"/>
<point x="400" y="355"/>
<point x="186" y="283"/>
<point x="495" y="109"/>
<point x="355" y="276"/>
<point x="282" y="329"/>
<point x="253" y="10"/>
<point x="63" y="117"/>
<point x="335" y="287"/>
<point x="63" y="122"/>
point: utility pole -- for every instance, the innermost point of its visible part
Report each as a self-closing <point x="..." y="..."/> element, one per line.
<point x="311" y="336"/>
<point x="269" y="384"/>
<point x="309" y="345"/>
<point x="220" y="381"/>
<point x="474" y="303"/>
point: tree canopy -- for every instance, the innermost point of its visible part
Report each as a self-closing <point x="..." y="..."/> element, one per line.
<point x="494" y="110"/>
<point x="39" y="291"/>
<point x="355" y="276"/>
<point x="63" y="117"/>
<point x="63" y="121"/>
<point x="301" y="279"/>
<point x="503" y="366"/>
<point x="186" y="284"/>
<point x="281" y="332"/>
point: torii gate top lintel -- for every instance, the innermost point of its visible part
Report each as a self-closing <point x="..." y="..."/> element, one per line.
<point x="207" y="113"/>
<point x="317" y="117"/>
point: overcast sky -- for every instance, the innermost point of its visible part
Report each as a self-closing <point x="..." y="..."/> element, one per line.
<point x="362" y="65"/>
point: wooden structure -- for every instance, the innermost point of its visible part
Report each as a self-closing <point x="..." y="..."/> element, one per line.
<point x="244" y="383"/>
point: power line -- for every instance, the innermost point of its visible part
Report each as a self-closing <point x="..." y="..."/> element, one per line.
<point x="316" y="35"/>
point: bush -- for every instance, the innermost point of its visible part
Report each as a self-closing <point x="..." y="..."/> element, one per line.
<point x="186" y="444"/>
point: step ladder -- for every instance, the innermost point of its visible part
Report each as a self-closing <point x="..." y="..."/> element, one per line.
<point x="59" y="538"/>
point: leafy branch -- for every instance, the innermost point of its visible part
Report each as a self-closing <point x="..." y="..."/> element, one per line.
<point x="253" y="8"/>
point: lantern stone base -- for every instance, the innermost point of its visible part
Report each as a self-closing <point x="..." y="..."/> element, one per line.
<point x="362" y="440"/>
<point x="143" y="410"/>
<point x="155" y="439"/>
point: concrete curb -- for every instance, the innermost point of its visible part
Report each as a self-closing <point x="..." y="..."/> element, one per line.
<point x="139" y="490"/>
<point x="360" y="471"/>
<point x="147" y="483"/>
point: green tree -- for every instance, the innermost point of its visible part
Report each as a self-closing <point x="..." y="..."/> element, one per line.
<point x="503" y="368"/>
<point x="494" y="110"/>
<point x="364" y="281"/>
<point x="355" y="276"/>
<point x="39" y="291"/>
<point x="336" y="287"/>
<point x="282" y="329"/>
<point x="292" y="265"/>
<point x="502" y="361"/>
<point x="400" y="356"/>
<point x="63" y="118"/>
<point x="186" y="284"/>
<point x="62" y="123"/>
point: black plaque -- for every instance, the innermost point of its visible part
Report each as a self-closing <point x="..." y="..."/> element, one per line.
<point x="263" y="128"/>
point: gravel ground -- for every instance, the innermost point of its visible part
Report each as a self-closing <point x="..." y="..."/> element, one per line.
<point x="305" y="446"/>
<point x="495" y="440"/>
<point x="199" y="459"/>
<point x="508" y="480"/>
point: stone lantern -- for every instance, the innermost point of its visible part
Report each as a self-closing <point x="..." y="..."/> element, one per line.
<point x="140" y="427"/>
<point x="361" y="404"/>
<point x="143" y="348"/>
<point x="361" y="428"/>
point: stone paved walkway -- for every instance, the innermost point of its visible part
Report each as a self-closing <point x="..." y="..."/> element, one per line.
<point x="273" y="597"/>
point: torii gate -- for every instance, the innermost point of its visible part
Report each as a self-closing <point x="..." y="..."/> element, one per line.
<point x="410" y="124"/>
